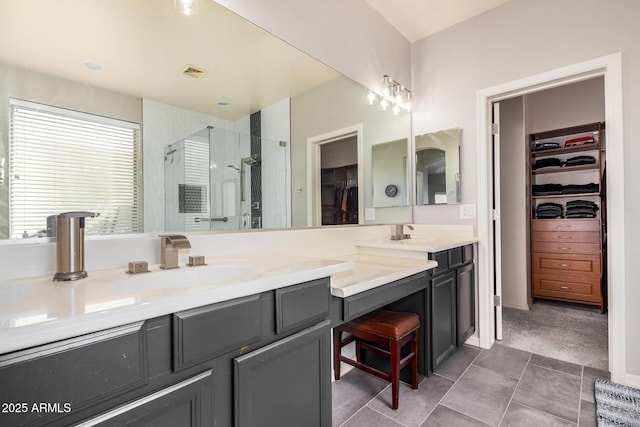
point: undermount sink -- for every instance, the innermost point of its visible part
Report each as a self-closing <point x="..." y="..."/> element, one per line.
<point x="201" y="276"/>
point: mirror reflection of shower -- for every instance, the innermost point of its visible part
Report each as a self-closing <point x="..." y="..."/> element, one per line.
<point x="214" y="181"/>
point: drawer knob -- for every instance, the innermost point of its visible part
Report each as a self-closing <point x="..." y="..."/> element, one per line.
<point x="565" y="287"/>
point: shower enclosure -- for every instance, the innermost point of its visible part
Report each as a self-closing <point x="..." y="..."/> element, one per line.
<point x="219" y="179"/>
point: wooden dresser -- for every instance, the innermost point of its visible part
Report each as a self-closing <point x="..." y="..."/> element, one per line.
<point x="566" y="260"/>
<point x="568" y="214"/>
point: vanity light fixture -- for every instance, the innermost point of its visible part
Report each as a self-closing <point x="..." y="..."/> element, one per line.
<point x="394" y="96"/>
<point x="187" y="7"/>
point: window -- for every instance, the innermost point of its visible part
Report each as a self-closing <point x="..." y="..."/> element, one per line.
<point x="63" y="160"/>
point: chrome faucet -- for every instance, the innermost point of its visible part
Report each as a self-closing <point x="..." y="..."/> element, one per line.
<point x="400" y="232"/>
<point x="169" y="246"/>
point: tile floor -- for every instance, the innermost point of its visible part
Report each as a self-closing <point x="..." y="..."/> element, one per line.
<point x="502" y="386"/>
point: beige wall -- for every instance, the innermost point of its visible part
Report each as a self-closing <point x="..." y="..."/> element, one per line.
<point x="519" y="39"/>
<point x="332" y="106"/>
<point x="348" y="36"/>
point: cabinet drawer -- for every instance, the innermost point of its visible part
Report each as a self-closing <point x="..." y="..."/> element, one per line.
<point x="567" y="248"/>
<point x="565" y="225"/>
<point x="206" y="332"/>
<point x="455" y="257"/>
<point x="80" y="372"/>
<point x="302" y="305"/>
<point x="365" y="302"/>
<point x="467" y="254"/>
<point x="570" y="263"/>
<point x="566" y="287"/>
<point x="566" y="236"/>
<point x="442" y="258"/>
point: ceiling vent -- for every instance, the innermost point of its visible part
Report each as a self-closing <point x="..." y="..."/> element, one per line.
<point x="193" y="71"/>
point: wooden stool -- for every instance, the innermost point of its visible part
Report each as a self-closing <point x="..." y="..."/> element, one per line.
<point x="373" y="332"/>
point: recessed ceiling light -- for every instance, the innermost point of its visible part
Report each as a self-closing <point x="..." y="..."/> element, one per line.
<point x="223" y="104"/>
<point x="187" y="7"/>
<point x="93" y="66"/>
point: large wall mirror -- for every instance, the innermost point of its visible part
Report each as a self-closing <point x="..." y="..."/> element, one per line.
<point x="164" y="122"/>
<point x="438" y="167"/>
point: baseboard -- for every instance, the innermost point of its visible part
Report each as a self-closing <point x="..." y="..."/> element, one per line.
<point x="473" y="340"/>
<point x="516" y="306"/>
<point x="632" y="380"/>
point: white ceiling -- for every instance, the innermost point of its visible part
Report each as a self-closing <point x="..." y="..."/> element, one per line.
<point x="143" y="45"/>
<point x="416" y="19"/>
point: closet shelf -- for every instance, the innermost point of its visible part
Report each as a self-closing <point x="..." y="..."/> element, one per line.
<point x="564" y="196"/>
<point x="594" y="166"/>
<point x="565" y="150"/>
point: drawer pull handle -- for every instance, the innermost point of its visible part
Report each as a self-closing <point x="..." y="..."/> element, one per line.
<point x="562" y="226"/>
<point x="565" y="287"/>
<point x="565" y="248"/>
<point x="565" y="265"/>
<point x="564" y="237"/>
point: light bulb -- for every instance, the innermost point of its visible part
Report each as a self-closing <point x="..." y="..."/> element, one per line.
<point x="396" y="109"/>
<point x="371" y="98"/>
<point x="384" y="105"/>
<point x="187" y="7"/>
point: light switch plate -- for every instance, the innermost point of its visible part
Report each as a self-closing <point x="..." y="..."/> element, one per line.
<point x="467" y="211"/>
<point x="370" y="213"/>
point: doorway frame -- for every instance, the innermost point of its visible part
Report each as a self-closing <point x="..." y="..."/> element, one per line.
<point x="610" y="68"/>
<point x="314" y="212"/>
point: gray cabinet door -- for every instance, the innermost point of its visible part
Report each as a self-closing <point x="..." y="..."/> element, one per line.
<point x="443" y="317"/>
<point x="186" y="404"/>
<point x="466" y="303"/>
<point x="286" y="383"/>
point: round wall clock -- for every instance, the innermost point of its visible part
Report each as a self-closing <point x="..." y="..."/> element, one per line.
<point x="391" y="190"/>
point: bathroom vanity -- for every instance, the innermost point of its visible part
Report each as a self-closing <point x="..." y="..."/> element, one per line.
<point x="251" y="349"/>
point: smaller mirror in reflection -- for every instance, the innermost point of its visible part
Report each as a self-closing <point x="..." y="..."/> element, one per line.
<point x="438" y="167"/>
<point x="390" y="176"/>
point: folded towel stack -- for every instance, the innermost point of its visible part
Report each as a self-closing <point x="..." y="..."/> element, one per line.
<point x="541" y="146"/>
<point x="549" y="210"/>
<point x="573" y="209"/>
<point x="547" y="163"/>
<point x="581" y="209"/>
<point x="576" y="142"/>
<point x="558" y="189"/>
<point x="580" y="160"/>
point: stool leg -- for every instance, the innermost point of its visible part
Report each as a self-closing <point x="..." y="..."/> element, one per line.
<point x="337" y="349"/>
<point x="358" y="350"/>
<point x="414" y="361"/>
<point x="395" y="373"/>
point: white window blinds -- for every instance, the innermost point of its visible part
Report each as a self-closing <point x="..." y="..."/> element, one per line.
<point x="63" y="160"/>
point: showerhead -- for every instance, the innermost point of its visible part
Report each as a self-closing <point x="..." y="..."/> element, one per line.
<point x="234" y="167"/>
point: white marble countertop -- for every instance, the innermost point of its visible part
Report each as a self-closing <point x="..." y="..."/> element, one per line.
<point x="371" y="271"/>
<point x="36" y="311"/>
<point x="418" y="243"/>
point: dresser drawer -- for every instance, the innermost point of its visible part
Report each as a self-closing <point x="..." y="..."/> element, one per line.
<point x="566" y="236"/>
<point x="572" y="263"/>
<point x="75" y="373"/>
<point x="566" y="287"/>
<point x="206" y="332"/>
<point x="302" y="305"/>
<point x="567" y="248"/>
<point x="565" y="225"/>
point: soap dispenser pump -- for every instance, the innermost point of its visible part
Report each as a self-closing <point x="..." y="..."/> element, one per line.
<point x="70" y="245"/>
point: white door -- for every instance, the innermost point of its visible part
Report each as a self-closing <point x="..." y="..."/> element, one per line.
<point x="497" y="237"/>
